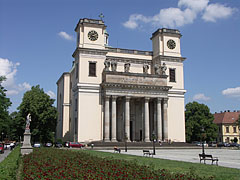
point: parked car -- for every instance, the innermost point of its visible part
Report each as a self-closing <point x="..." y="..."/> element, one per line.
<point x="66" y="144"/>
<point x="75" y="145"/>
<point x="234" y="145"/>
<point x="1" y="148"/>
<point x="37" y="145"/>
<point x="49" y="144"/>
<point x="58" y="145"/>
<point x="223" y="144"/>
<point x="7" y="146"/>
<point x="212" y="144"/>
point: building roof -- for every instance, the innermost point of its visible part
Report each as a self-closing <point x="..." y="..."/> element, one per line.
<point x="226" y="117"/>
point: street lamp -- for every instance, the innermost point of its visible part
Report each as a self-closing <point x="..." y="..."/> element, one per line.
<point x="153" y="140"/>
<point x="125" y="140"/>
<point x="2" y="136"/>
<point x="203" y="141"/>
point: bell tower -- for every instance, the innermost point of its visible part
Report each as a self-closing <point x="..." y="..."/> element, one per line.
<point x="166" y="42"/>
<point x="91" y="33"/>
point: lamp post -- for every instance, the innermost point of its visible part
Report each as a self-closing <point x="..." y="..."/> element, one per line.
<point x="203" y="141"/>
<point x="125" y="140"/>
<point x="2" y="136"/>
<point x="153" y="139"/>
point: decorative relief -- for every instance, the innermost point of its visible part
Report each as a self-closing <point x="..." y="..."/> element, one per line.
<point x="139" y="80"/>
<point x="130" y="60"/>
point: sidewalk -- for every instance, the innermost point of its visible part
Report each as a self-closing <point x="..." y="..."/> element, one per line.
<point x="227" y="157"/>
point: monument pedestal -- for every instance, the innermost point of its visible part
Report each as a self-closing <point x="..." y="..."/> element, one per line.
<point x="26" y="147"/>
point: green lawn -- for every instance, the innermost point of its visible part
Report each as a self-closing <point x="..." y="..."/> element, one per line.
<point x="220" y="173"/>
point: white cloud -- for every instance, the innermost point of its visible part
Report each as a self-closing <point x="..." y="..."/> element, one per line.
<point x="217" y="11"/>
<point x="196" y="5"/>
<point x="232" y="92"/>
<point x="51" y="94"/>
<point x="201" y="97"/>
<point x="66" y="36"/>
<point x="186" y="12"/>
<point x="9" y="70"/>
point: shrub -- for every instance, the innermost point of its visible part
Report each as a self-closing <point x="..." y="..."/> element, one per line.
<point x="9" y="166"/>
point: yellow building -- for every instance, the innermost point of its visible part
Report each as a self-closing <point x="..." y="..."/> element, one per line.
<point x="227" y="126"/>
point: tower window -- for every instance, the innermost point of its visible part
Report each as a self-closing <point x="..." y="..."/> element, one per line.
<point x="92" y="69"/>
<point x="172" y="75"/>
<point x="77" y="71"/>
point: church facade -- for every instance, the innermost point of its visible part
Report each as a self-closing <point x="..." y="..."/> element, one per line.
<point x="112" y="94"/>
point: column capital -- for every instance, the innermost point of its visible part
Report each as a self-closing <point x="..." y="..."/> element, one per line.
<point x="107" y="97"/>
<point x="127" y="98"/>
<point x="114" y="98"/>
<point x="146" y="99"/>
<point x="159" y="99"/>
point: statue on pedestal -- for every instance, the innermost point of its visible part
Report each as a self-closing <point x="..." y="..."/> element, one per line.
<point x="27" y="148"/>
<point x="164" y="68"/>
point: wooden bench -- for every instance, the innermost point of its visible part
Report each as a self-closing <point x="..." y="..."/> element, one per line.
<point x="147" y="152"/>
<point x="204" y="157"/>
<point x="117" y="150"/>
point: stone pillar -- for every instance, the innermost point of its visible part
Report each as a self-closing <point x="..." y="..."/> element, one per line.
<point x="127" y="118"/>
<point x="107" y="122"/>
<point x="165" y="119"/>
<point x="114" y="118"/>
<point x="146" y="120"/>
<point x="159" y="119"/>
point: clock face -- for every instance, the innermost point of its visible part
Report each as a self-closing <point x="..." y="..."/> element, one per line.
<point x="93" y="35"/>
<point x="171" y="44"/>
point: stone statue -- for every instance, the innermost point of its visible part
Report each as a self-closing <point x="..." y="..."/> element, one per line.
<point x="145" y="68"/>
<point x="157" y="69"/>
<point x="163" y="69"/>
<point x="107" y="65"/>
<point x="127" y="67"/>
<point x="28" y="121"/>
<point x="114" y="65"/>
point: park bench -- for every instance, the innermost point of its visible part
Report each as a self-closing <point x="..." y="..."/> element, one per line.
<point x="147" y="152"/>
<point x="117" y="150"/>
<point x="204" y="157"/>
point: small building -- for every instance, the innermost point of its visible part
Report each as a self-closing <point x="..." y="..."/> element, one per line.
<point x="227" y="126"/>
<point x="113" y="94"/>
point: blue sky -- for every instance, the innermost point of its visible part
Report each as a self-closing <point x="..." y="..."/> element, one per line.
<point x="37" y="40"/>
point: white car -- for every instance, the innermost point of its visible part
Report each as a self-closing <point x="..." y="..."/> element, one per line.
<point x="37" y="145"/>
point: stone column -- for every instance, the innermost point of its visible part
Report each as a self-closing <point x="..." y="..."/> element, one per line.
<point x="146" y="120"/>
<point x="127" y="118"/>
<point x="107" y="122"/>
<point x="159" y="119"/>
<point x="165" y="119"/>
<point x="114" y="119"/>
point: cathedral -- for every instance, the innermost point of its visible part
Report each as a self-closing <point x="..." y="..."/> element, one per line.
<point x="113" y="94"/>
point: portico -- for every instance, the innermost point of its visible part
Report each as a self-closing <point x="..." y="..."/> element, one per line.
<point x="136" y="109"/>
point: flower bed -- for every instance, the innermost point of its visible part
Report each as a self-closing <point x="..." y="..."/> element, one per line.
<point x="65" y="164"/>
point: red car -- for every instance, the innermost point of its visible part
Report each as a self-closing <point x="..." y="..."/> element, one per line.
<point x="75" y="145"/>
<point x="1" y="148"/>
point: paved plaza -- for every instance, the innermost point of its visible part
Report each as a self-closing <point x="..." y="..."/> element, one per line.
<point x="227" y="157"/>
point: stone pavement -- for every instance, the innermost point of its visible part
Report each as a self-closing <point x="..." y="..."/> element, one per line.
<point x="4" y="155"/>
<point x="227" y="157"/>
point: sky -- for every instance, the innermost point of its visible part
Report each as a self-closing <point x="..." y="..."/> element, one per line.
<point x="37" y="40"/>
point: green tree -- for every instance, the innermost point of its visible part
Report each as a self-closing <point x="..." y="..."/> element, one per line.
<point x="43" y="114"/>
<point x="5" y="103"/>
<point x="199" y="123"/>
